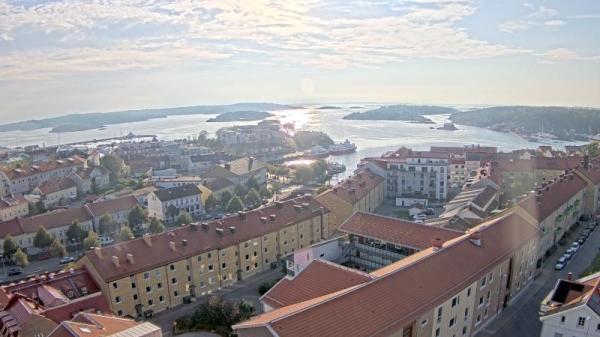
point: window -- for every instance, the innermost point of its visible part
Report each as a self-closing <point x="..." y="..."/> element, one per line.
<point x="161" y="299"/>
<point x="135" y="297"/>
<point x="133" y="285"/>
<point x="146" y="276"/>
<point x="175" y="293"/>
<point x="424" y="322"/>
<point x="455" y="301"/>
<point x="468" y="292"/>
<point x="563" y="319"/>
<point x="452" y="322"/>
<point x="224" y="265"/>
<point x="581" y="322"/>
<point x="558" y="334"/>
<point x="210" y="267"/>
<point x="464" y="331"/>
<point x="491" y="276"/>
<point x="159" y="285"/>
<point x="209" y="255"/>
<point x="118" y="299"/>
<point x="120" y="312"/>
<point x="115" y="285"/>
<point x="148" y="289"/>
<point x="481" y="301"/>
<point x="483" y="281"/>
<point x="150" y="303"/>
<point x="466" y="313"/>
<point x="199" y="258"/>
<point x="174" y="280"/>
<point x="437" y="332"/>
<point x="172" y="267"/>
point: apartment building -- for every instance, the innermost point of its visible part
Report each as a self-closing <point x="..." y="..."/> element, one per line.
<point x="451" y="289"/>
<point x="85" y="324"/>
<point x="37" y="306"/>
<point x="168" y="203"/>
<point x="118" y="209"/>
<point x="589" y="171"/>
<point x="157" y="272"/>
<point x="377" y="241"/>
<point x="13" y="207"/>
<point x="572" y="308"/>
<point x="239" y="171"/>
<point x="555" y="206"/>
<point x="363" y="191"/>
<point x="24" y="180"/>
<point x="61" y="191"/>
<point x="90" y="179"/>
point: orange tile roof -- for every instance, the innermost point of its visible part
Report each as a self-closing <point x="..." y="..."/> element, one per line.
<point x="397" y="231"/>
<point x="52" y="186"/>
<point x="253" y="224"/>
<point x="44" y="167"/>
<point x="355" y="187"/>
<point x="309" y="283"/>
<point x="388" y="303"/>
<point x="109" y="206"/>
<point x="93" y="325"/>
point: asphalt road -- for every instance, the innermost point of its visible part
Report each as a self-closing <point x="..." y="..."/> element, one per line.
<point x="34" y="267"/>
<point x="521" y="318"/>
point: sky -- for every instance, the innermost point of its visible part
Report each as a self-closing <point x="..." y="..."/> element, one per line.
<point x="71" y="56"/>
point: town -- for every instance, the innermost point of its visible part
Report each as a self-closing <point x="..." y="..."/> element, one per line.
<point x="150" y="237"/>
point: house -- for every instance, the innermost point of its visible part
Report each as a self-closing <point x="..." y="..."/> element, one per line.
<point x="572" y="308"/>
<point x="24" y="180"/>
<point x="174" y="181"/>
<point x="56" y="192"/>
<point x="90" y="179"/>
<point x="219" y="185"/>
<point x="363" y="191"/>
<point x="239" y="171"/>
<point x="86" y="324"/>
<point x="166" y="204"/>
<point x="13" y="207"/>
<point x="118" y="209"/>
<point x="453" y="287"/>
<point x="37" y="306"/>
<point x="156" y="272"/>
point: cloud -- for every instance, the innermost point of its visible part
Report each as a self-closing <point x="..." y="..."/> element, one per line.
<point x="513" y="26"/>
<point x="536" y="16"/>
<point x="584" y="16"/>
<point x="555" y="23"/>
<point x="563" y="55"/>
<point x="64" y="37"/>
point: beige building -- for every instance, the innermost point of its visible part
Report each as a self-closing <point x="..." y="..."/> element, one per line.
<point x="166" y="204"/>
<point x="56" y="192"/>
<point x="13" y="207"/>
<point x="363" y="192"/>
<point x="157" y="272"/>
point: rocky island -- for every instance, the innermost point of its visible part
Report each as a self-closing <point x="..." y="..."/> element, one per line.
<point x="407" y="113"/>
<point x="240" y="116"/>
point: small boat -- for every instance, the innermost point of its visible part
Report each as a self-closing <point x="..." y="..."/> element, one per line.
<point x="335" y="168"/>
<point x="317" y="152"/>
<point x="342" y="148"/>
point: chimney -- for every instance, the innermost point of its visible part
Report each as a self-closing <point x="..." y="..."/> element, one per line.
<point x="147" y="240"/>
<point x="279" y="204"/>
<point x="298" y="208"/>
<point x="232" y="229"/>
<point x="570" y="276"/>
<point x="219" y="231"/>
<point x="227" y="166"/>
<point x="184" y="242"/>
<point x="250" y="162"/>
<point x="172" y="245"/>
<point x="263" y="219"/>
<point x="475" y="238"/>
<point x="437" y="244"/>
<point x="242" y="215"/>
<point x="204" y="225"/>
<point x="98" y="252"/>
<point x="130" y="258"/>
<point x="115" y="260"/>
<point x="272" y="217"/>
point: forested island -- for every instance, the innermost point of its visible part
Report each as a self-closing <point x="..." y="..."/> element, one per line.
<point x="329" y="107"/>
<point x="304" y="140"/>
<point x="238" y="116"/>
<point x="409" y="113"/>
<point x="554" y="122"/>
<point x="90" y="121"/>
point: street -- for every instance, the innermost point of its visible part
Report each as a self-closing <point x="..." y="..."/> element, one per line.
<point x="33" y="268"/>
<point x="521" y="318"/>
<point x="246" y="290"/>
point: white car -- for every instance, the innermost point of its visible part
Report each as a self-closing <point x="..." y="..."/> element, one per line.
<point x="106" y="240"/>
<point x="559" y="266"/>
<point x="574" y="247"/>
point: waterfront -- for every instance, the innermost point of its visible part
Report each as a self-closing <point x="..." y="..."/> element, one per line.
<point x="371" y="137"/>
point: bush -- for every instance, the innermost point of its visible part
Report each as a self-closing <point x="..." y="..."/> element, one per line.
<point x="266" y="286"/>
<point x="215" y="315"/>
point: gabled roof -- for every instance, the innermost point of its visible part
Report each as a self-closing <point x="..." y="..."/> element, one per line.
<point x="355" y="187"/>
<point x="218" y="184"/>
<point x="43" y="167"/>
<point x="245" y="165"/>
<point x="568" y="294"/>
<point x="7" y="202"/>
<point x="54" y="219"/>
<point x="411" y="287"/>
<point x="309" y="283"/>
<point x="397" y="231"/>
<point x="87" y="324"/>
<point x="177" y="192"/>
<point x="53" y="186"/>
<point x="109" y="206"/>
<point x="152" y="251"/>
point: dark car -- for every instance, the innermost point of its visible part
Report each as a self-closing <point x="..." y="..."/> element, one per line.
<point x="43" y="256"/>
<point x="15" y="271"/>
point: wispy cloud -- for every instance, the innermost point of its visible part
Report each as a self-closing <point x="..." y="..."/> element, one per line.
<point x="563" y="55"/>
<point x="537" y="15"/>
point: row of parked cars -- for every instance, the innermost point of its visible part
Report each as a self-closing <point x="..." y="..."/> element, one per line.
<point x="575" y="246"/>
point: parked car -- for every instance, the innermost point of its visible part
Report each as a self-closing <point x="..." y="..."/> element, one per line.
<point x="44" y="256"/>
<point x="559" y="266"/>
<point x="567" y="255"/>
<point x="575" y="247"/>
<point x="67" y="259"/>
<point x="581" y="240"/>
<point x="106" y="240"/>
<point x="15" y="271"/>
<point x="562" y="260"/>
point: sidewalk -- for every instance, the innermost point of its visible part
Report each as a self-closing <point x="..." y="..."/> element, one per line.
<point x="521" y="317"/>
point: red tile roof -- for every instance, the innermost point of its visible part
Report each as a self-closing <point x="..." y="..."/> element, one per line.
<point x="58" y="218"/>
<point x="397" y="231"/>
<point x="356" y="187"/>
<point x="109" y="206"/>
<point x="53" y="186"/>
<point x="7" y="202"/>
<point x="310" y="284"/>
<point x="253" y="224"/>
<point x="414" y="286"/>
<point x="94" y="325"/>
<point x="44" y="167"/>
<point x="553" y="197"/>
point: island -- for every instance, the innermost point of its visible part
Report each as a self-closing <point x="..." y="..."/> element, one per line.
<point x="240" y="116"/>
<point x="448" y="127"/>
<point x="408" y="113"/>
<point x="534" y="123"/>
<point x="329" y="107"/>
<point x="90" y="121"/>
<point x="304" y="140"/>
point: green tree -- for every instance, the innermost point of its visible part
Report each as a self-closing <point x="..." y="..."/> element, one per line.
<point x="252" y="198"/>
<point x="114" y="165"/>
<point x="107" y="225"/>
<point x="20" y="258"/>
<point x="319" y="168"/>
<point x="184" y="218"/>
<point x="240" y="191"/>
<point x="76" y="232"/>
<point x="252" y="183"/>
<point x="91" y="241"/>
<point x="40" y="207"/>
<point x="42" y="238"/>
<point x="304" y="174"/>
<point x="265" y="192"/>
<point x="211" y="202"/>
<point x="125" y="234"/>
<point x="9" y="246"/>
<point x="225" y="197"/>
<point x="136" y="217"/>
<point x="156" y="226"/>
<point x="57" y="249"/>
<point x="235" y="204"/>
<point x="592" y="149"/>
